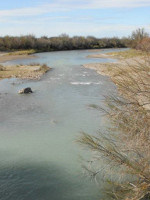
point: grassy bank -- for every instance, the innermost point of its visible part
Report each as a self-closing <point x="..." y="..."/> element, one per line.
<point x="32" y="71"/>
<point x="123" y="160"/>
<point x="22" y="52"/>
<point x="16" y="55"/>
<point x="131" y="53"/>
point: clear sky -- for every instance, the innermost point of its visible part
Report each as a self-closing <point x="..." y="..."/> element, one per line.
<point x="100" y="18"/>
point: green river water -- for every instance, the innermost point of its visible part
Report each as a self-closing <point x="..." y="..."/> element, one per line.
<point x="39" y="156"/>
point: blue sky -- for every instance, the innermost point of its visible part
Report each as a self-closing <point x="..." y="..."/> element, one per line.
<point x="100" y="18"/>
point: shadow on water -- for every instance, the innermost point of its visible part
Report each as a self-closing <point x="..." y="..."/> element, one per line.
<point x="38" y="183"/>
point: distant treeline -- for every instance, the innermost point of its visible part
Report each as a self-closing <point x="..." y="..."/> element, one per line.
<point x="63" y="42"/>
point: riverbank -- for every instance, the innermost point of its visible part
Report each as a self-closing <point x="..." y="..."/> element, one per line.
<point x="32" y="71"/>
<point x="126" y="154"/>
<point x="124" y="60"/>
<point x="16" y="55"/>
<point x="130" y="65"/>
<point x="121" y="55"/>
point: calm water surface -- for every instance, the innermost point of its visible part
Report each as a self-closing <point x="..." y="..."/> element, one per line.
<point x="39" y="157"/>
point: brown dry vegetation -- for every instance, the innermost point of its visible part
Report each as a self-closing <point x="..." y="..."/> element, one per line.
<point x="144" y="44"/>
<point x="126" y="155"/>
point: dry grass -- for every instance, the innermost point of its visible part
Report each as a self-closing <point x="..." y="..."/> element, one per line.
<point x="22" y="52"/>
<point x="123" y="55"/>
<point x="131" y="53"/>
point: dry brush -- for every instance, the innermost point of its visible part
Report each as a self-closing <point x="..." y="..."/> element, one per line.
<point x="122" y="153"/>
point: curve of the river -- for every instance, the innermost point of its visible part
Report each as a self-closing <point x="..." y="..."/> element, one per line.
<point x="39" y="157"/>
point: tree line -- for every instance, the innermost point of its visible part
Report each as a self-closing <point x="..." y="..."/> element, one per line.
<point x="137" y="40"/>
<point x="62" y="42"/>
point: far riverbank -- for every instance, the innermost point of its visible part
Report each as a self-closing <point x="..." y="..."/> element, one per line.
<point x="17" y="55"/>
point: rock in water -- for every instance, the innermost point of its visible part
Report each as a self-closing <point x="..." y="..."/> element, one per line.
<point x="25" y="91"/>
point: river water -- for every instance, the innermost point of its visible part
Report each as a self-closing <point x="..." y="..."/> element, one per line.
<point x="39" y="156"/>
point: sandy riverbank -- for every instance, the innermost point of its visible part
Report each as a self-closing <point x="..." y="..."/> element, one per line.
<point x="102" y="55"/>
<point x="129" y="69"/>
<point x="109" y="69"/>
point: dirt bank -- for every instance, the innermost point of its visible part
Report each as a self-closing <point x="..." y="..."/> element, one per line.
<point x="132" y="69"/>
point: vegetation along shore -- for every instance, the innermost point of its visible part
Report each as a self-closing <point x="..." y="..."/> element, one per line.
<point x="122" y="153"/>
<point x="124" y="66"/>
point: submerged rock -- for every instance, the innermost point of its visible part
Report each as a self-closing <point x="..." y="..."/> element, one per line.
<point x="53" y="121"/>
<point x="25" y="91"/>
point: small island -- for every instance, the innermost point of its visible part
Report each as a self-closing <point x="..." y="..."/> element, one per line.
<point x="32" y="71"/>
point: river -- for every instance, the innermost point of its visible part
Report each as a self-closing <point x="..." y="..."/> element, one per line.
<point x="39" y="156"/>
